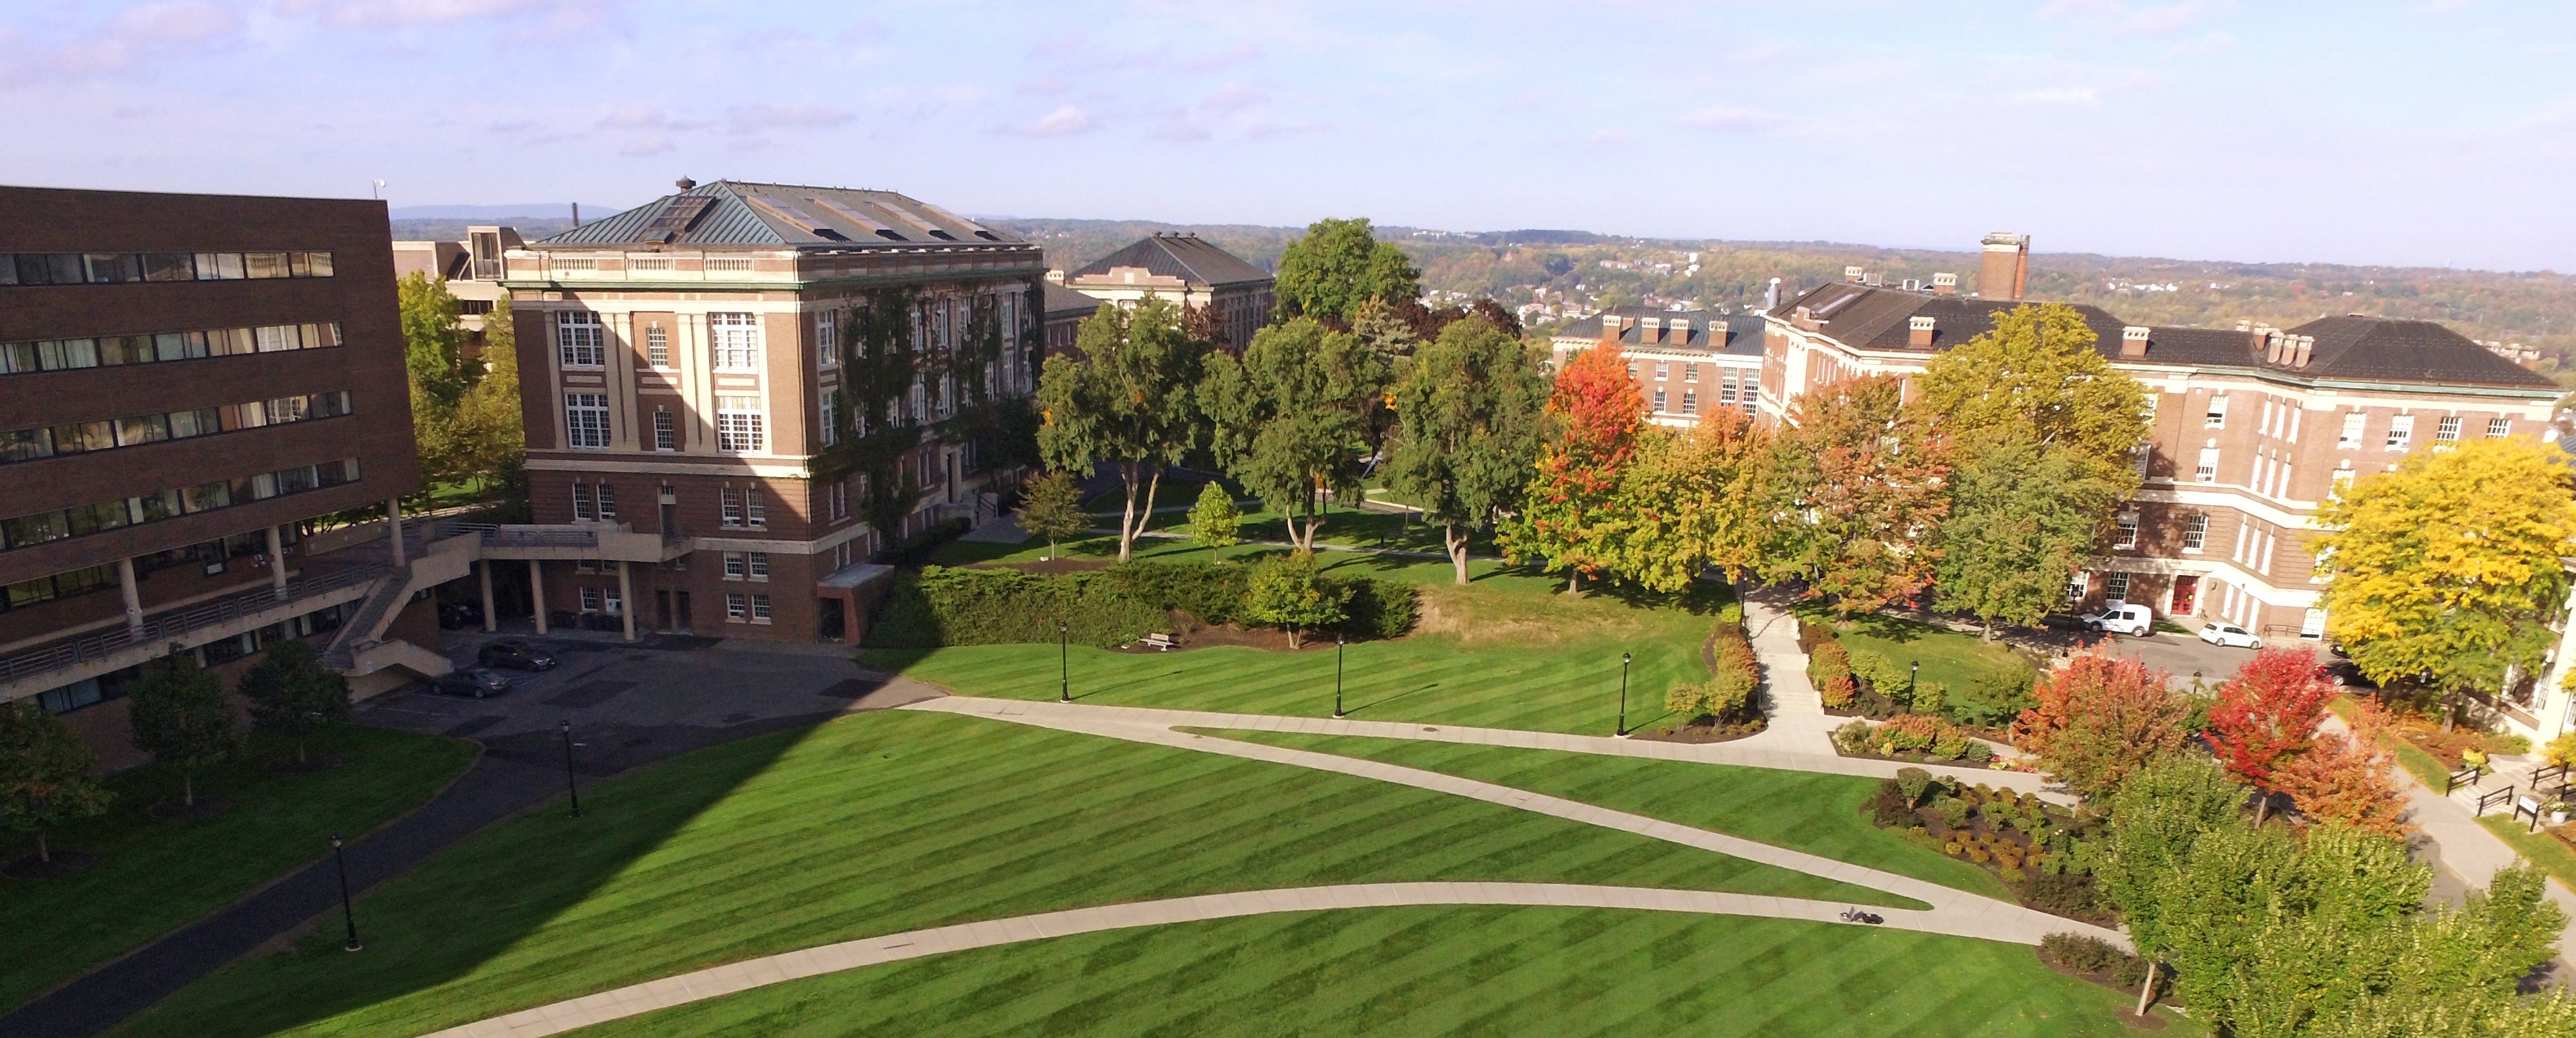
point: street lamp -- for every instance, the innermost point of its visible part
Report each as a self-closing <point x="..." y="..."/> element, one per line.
<point x="1337" y="675"/>
<point x="569" y="784"/>
<point x="1623" y="694"/>
<point x="1913" y="678"/>
<point x="346" y="912"/>
<point x="1064" y="663"/>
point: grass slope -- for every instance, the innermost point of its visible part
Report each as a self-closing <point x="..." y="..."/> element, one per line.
<point x="1570" y="973"/>
<point x="1956" y="660"/>
<point x="1502" y="652"/>
<point x="154" y="875"/>
<point x="1818" y="814"/>
<point x="880" y="823"/>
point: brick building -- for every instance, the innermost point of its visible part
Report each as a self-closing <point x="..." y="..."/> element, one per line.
<point x="185" y="381"/>
<point x="2254" y="427"/>
<point x="1187" y="270"/>
<point x="1687" y="364"/>
<point x="1065" y="311"/>
<point x="683" y="369"/>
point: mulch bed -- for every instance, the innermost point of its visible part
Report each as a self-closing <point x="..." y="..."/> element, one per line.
<point x="1703" y="733"/>
<point x="314" y="762"/>
<point x="64" y="863"/>
<point x="1264" y="638"/>
<point x="1917" y="758"/>
<point x="205" y="807"/>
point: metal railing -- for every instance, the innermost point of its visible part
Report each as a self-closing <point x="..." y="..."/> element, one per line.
<point x="178" y="624"/>
<point x="516" y="536"/>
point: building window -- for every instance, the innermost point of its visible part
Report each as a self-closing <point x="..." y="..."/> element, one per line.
<point x="2207" y="471"/>
<point x="1690" y="401"/>
<point x="590" y="600"/>
<point x="738" y="424"/>
<point x="2217" y="411"/>
<point x="2499" y="428"/>
<point x="827" y="339"/>
<point x="581" y="506"/>
<point x="2116" y="587"/>
<point x="2127" y="533"/>
<point x="2076" y="586"/>
<point x="2352" y="421"/>
<point x="733" y="565"/>
<point x="2401" y="432"/>
<point x="666" y="433"/>
<point x="2447" y="430"/>
<point x="585" y="565"/>
<point x="753" y="510"/>
<point x="1690" y="372"/>
<point x="2195" y="531"/>
<point x="737" y="609"/>
<point x="608" y="501"/>
<point x="657" y="345"/>
<point x="838" y="506"/>
<point x="830" y="411"/>
<point x="1663" y="369"/>
<point x="730" y="505"/>
<point x="759" y="561"/>
<point x="578" y="338"/>
<point x="2313" y="624"/>
<point x="586" y="421"/>
<point x="2341" y="483"/>
<point x="760" y="609"/>
<point x="1659" y="401"/>
<point x="737" y="341"/>
<point x="1726" y="389"/>
<point x="1632" y="369"/>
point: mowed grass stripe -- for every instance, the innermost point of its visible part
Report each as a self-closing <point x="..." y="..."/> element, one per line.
<point x="1575" y="973"/>
<point x="1817" y="813"/>
<point x="882" y="823"/>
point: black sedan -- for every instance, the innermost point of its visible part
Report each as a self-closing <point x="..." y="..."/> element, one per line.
<point x="471" y="682"/>
<point x="515" y="655"/>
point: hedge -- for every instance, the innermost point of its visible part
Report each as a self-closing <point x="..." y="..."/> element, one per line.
<point x="1110" y="606"/>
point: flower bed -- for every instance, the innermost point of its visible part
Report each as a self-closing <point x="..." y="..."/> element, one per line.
<point x="1723" y="707"/>
<point x="1917" y="738"/>
<point x="2043" y="852"/>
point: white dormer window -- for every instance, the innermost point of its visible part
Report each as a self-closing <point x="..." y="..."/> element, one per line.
<point x="2217" y="411"/>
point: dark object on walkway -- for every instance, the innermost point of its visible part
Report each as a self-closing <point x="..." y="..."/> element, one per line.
<point x="570" y="783"/>
<point x="1854" y="915"/>
<point x="472" y="682"/>
<point x="515" y="655"/>
<point x="340" y="862"/>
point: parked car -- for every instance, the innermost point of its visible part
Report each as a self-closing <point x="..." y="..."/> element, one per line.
<point x="471" y="682"/>
<point x="2230" y="636"/>
<point x="457" y="616"/>
<point x="2121" y="618"/>
<point x="516" y="655"/>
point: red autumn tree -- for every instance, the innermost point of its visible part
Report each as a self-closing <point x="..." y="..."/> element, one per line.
<point x="2343" y="778"/>
<point x="2101" y="718"/>
<point x="2268" y="714"/>
<point x="1860" y="483"/>
<point x="1567" y="517"/>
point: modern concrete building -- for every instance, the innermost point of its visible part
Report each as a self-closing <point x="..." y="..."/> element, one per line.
<point x="471" y="268"/>
<point x="696" y="376"/>
<point x="1184" y="269"/>
<point x="186" y="382"/>
<point x="1688" y="365"/>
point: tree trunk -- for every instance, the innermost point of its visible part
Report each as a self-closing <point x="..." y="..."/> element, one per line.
<point x="187" y="789"/>
<point x="1574" y="582"/>
<point x="2262" y="806"/>
<point x="1127" y="519"/>
<point x="299" y="749"/>
<point x="1152" y="487"/>
<point x="2147" y="991"/>
<point x="1458" y="552"/>
<point x="44" y="854"/>
<point x="1293" y="643"/>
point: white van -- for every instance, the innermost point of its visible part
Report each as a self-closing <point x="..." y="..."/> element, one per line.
<point x="2121" y="618"/>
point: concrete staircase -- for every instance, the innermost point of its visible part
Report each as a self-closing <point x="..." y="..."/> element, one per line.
<point x="360" y="648"/>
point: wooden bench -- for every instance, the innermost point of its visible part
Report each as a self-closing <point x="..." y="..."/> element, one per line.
<point x="1160" y="641"/>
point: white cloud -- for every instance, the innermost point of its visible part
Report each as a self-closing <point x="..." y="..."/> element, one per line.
<point x="1730" y="118"/>
<point x="1063" y="122"/>
<point x="654" y="145"/>
<point x="2156" y="21"/>
<point x="789" y="115"/>
<point x="183" y="20"/>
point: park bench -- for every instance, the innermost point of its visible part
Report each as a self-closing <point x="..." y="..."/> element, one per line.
<point x="1160" y="641"/>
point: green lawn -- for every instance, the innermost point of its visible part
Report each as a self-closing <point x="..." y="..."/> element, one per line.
<point x="880" y="823"/>
<point x="1104" y="549"/>
<point x="154" y="875"/>
<point x="1503" y="652"/>
<point x="1956" y="660"/>
<point x="1435" y="971"/>
<point x="1802" y="810"/>
<point x="2542" y="849"/>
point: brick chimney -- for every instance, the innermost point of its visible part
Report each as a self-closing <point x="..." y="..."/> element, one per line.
<point x="1851" y="274"/>
<point x="1677" y="330"/>
<point x="1918" y="332"/>
<point x="2004" y="266"/>
<point x="2133" y="341"/>
<point x="1945" y="284"/>
<point x="1650" y="331"/>
<point x="1609" y="328"/>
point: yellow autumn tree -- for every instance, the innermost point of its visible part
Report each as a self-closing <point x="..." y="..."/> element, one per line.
<point x="2447" y="569"/>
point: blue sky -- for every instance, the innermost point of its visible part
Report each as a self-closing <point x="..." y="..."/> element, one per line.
<point x="2430" y="132"/>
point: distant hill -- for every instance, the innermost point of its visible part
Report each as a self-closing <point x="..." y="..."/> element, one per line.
<point x="500" y="213"/>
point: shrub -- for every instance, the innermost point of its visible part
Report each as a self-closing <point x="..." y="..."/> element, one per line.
<point x="1991" y="700"/>
<point x="1827" y="661"/>
<point x="1977" y="853"/>
<point x="2011" y="873"/>
<point x="1954" y="848"/>
<point x="1951" y="745"/>
<point x="1930" y="697"/>
<point x="1838" y="692"/>
<point x="2064" y="893"/>
<point x="1978" y="752"/>
<point x="944" y="606"/>
<point x="1954" y="811"/>
<point x="2080" y="953"/>
<point x="1377" y="608"/>
<point x="1885" y="676"/>
<point x="1912" y="782"/>
<point x="1853" y="737"/>
<point x="2561" y="750"/>
<point x="2509" y="745"/>
<point x="1912" y="732"/>
<point x="1285" y="592"/>
<point x="1211" y="593"/>
<point x="912" y="550"/>
<point x="1889" y="808"/>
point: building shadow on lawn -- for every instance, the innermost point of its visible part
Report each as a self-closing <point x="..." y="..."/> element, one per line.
<point x="472" y="901"/>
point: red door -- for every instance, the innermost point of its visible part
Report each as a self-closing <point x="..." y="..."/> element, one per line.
<point x="2186" y="590"/>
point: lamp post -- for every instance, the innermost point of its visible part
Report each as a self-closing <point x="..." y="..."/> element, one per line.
<point x="346" y="912"/>
<point x="1064" y="663"/>
<point x="1337" y="675"/>
<point x="1913" y="678"/>
<point x="570" y="785"/>
<point x="1623" y="694"/>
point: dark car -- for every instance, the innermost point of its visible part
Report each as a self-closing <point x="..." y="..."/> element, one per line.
<point x="471" y="682"/>
<point x="515" y="655"/>
<point x="457" y="616"/>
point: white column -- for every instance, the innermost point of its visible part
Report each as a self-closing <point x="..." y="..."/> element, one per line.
<point x="133" y="599"/>
<point x="277" y="563"/>
<point x="490" y="622"/>
<point x="537" y="592"/>
<point x="626" y="598"/>
<point x="393" y="527"/>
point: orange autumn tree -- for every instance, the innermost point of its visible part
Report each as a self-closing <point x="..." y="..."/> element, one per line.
<point x="1859" y="485"/>
<point x="1567" y="516"/>
<point x="2100" y="719"/>
<point x="2266" y="716"/>
<point x="2343" y="778"/>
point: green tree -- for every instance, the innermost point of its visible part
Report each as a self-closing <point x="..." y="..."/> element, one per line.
<point x="44" y="774"/>
<point x="433" y="339"/>
<point x="1693" y="500"/>
<point x="2022" y="517"/>
<point x="1215" y="524"/>
<point x="1129" y="399"/>
<point x="1291" y="420"/>
<point x="1859" y="493"/>
<point x="1470" y="408"/>
<point x="1051" y="507"/>
<point x="183" y="719"/>
<point x="293" y="695"/>
<point x="1286" y="592"/>
<point x="2037" y="379"/>
<point x="2447" y="570"/>
<point x="2156" y="816"/>
<point x="1338" y="266"/>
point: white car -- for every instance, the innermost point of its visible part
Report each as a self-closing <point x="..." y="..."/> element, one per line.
<point x="2121" y="618"/>
<point x="2230" y="636"/>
